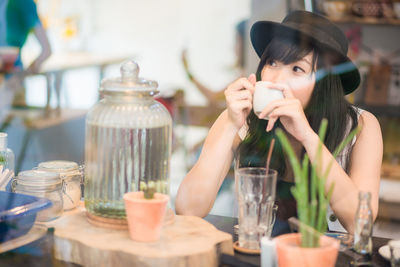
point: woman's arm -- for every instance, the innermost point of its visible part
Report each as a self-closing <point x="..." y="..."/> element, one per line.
<point x="197" y="192"/>
<point x="364" y="173"/>
<point x="41" y="36"/>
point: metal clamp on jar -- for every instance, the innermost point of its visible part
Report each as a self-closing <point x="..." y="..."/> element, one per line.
<point x="41" y="184"/>
<point x="72" y="175"/>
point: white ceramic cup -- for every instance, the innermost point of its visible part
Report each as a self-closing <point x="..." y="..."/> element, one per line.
<point x="263" y="95"/>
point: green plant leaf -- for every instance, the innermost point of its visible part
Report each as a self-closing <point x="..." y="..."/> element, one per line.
<point x="149" y="193"/>
<point x="2" y="160"/>
<point x="312" y="202"/>
<point x="290" y="152"/>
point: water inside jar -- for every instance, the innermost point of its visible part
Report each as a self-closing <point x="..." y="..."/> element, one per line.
<point x="118" y="160"/>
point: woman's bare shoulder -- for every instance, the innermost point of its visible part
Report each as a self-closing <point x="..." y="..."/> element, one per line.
<point x="370" y="128"/>
<point x="368" y="121"/>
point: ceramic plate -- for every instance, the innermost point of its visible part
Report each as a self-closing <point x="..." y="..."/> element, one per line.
<point x="385" y="252"/>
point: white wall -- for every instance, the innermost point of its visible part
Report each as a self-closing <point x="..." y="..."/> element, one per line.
<point x="273" y="10"/>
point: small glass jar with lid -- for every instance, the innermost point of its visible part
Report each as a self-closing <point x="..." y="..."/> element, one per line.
<point x="41" y="184"/>
<point x="72" y="175"/>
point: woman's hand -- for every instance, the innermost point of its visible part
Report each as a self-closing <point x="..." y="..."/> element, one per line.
<point x="239" y="100"/>
<point x="290" y="113"/>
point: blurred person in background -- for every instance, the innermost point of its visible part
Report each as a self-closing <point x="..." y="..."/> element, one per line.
<point x="18" y="18"/>
<point x="216" y="97"/>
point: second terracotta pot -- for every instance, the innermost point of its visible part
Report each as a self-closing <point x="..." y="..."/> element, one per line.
<point x="290" y="253"/>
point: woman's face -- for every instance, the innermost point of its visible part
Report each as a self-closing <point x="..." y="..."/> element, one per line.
<point x="299" y="76"/>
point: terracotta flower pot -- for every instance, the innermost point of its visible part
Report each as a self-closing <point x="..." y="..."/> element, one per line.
<point x="290" y="253"/>
<point x="145" y="216"/>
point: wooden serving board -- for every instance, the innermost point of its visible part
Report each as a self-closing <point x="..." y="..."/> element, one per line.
<point x="189" y="241"/>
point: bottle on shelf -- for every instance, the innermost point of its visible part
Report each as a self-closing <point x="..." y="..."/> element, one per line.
<point x="363" y="224"/>
<point x="6" y="155"/>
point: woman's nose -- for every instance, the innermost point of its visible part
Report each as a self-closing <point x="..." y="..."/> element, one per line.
<point x="278" y="76"/>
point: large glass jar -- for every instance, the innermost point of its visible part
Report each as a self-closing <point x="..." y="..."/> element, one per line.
<point x="128" y="144"/>
<point x="72" y="175"/>
<point x="42" y="184"/>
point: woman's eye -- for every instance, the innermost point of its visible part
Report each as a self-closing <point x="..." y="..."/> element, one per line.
<point x="298" y="69"/>
<point x="273" y="63"/>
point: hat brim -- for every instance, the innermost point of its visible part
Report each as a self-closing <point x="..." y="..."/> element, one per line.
<point x="262" y="33"/>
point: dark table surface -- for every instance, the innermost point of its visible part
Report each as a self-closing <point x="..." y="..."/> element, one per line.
<point x="39" y="252"/>
<point x="226" y="224"/>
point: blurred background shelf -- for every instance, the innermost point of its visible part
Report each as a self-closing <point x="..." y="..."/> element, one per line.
<point x="387" y="110"/>
<point x="391" y="172"/>
<point x="366" y="20"/>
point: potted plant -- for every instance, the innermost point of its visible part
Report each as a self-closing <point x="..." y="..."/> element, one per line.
<point x="309" y="247"/>
<point x="145" y="211"/>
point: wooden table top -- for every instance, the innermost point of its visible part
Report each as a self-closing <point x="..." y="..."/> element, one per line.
<point x="39" y="253"/>
<point x="226" y="224"/>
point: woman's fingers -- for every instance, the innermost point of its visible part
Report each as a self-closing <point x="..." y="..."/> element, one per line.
<point x="280" y="108"/>
<point x="239" y="95"/>
<point x="283" y="111"/>
<point x="276" y="104"/>
<point x="243" y="104"/>
<point x="240" y="84"/>
<point x="252" y="78"/>
<point x="271" y="123"/>
<point x="240" y="106"/>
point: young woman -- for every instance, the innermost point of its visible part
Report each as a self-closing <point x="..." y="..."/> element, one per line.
<point x="305" y="58"/>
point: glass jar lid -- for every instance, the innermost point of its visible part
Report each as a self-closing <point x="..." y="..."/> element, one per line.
<point x="129" y="83"/>
<point x="63" y="167"/>
<point x="38" y="178"/>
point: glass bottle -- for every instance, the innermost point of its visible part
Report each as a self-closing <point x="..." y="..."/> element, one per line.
<point x="363" y="224"/>
<point x="127" y="146"/>
<point x="6" y="154"/>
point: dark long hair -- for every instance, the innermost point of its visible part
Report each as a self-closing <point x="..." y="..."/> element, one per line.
<point x="327" y="101"/>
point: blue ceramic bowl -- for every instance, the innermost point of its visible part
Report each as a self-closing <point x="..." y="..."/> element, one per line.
<point x="18" y="213"/>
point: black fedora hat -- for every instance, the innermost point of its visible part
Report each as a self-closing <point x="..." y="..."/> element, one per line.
<point x="319" y="30"/>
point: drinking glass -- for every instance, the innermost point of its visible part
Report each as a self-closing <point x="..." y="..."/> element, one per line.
<point x="268" y="233"/>
<point x="255" y="191"/>
<point x="394" y="246"/>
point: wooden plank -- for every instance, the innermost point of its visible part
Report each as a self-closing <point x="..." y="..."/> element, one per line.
<point x="203" y="116"/>
<point x="189" y="241"/>
<point x="77" y="60"/>
<point x="41" y="119"/>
